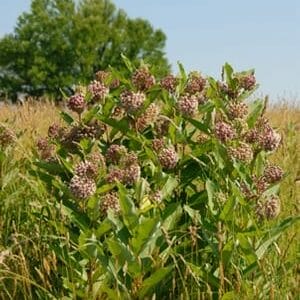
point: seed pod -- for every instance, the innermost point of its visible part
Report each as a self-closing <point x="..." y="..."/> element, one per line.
<point x="82" y="187"/>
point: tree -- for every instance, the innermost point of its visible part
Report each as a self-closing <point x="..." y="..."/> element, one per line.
<point x="60" y="43"/>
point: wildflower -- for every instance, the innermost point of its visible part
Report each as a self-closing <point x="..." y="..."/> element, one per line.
<point x="98" y="90"/>
<point x="148" y="117"/>
<point x="195" y="83"/>
<point x="237" y="110"/>
<point x="248" y="82"/>
<point x="224" y="132"/>
<point x="82" y="187"/>
<point x="158" y="144"/>
<point x="268" y="208"/>
<point x="131" y="101"/>
<point x="115" y="152"/>
<point x="131" y="174"/>
<point x="169" y="83"/>
<point x="142" y="79"/>
<point x="269" y="139"/>
<point x="110" y="201"/>
<point x="102" y="76"/>
<point x="168" y="158"/>
<point x="243" y="152"/>
<point x="115" y="175"/>
<point x="273" y="174"/>
<point x="188" y="105"/>
<point x="86" y="169"/>
<point x="7" y="137"/>
<point x="76" y="103"/>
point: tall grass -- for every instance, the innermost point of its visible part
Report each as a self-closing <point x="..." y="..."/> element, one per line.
<point x="28" y="269"/>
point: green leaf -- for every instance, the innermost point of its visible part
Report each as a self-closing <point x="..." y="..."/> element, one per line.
<point x="152" y="282"/>
<point x="193" y="213"/>
<point x="171" y="215"/>
<point x="145" y="236"/>
<point x="128" y="209"/>
<point x="247" y="249"/>
<point x="211" y="189"/>
<point x="169" y="187"/>
<point x="230" y="296"/>
<point x="66" y="117"/>
<point x="227" y="211"/>
<point x="272" y="235"/>
<point x="256" y="110"/>
<point x="201" y="126"/>
<point x="127" y="62"/>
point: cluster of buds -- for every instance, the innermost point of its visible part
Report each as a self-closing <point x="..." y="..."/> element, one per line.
<point x="127" y="171"/>
<point x="162" y="126"/>
<point x="168" y="158"/>
<point x="158" y="144"/>
<point x="243" y="152"/>
<point x="55" y="131"/>
<point x="169" y="83"/>
<point x="273" y="174"/>
<point x="131" y="101"/>
<point x="98" y="90"/>
<point x="188" y="105"/>
<point x="224" y="131"/>
<point x="76" y="103"/>
<point x="237" y="110"/>
<point x="110" y="201"/>
<point x="7" y="137"/>
<point x="195" y="83"/>
<point x="202" y="138"/>
<point x="268" y="208"/>
<point x="269" y="139"/>
<point x="156" y="197"/>
<point x="102" y="76"/>
<point x="115" y="152"/>
<point x="82" y="187"/>
<point x="247" y="82"/>
<point x="147" y="118"/>
<point x="46" y="150"/>
<point x="142" y="79"/>
<point x="86" y="169"/>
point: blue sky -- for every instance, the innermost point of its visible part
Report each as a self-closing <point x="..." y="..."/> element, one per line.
<point x="203" y="34"/>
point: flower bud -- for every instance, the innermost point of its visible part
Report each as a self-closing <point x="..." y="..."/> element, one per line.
<point x="110" y="201"/>
<point x="82" y="187"/>
<point x="131" y="101"/>
<point x="169" y="83"/>
<point x="76" y="103"/>
<point x="168" y="158"/>
<point x="188" y="105"/>
<point x="224" y="132"/>
<point x="142" y="79"/>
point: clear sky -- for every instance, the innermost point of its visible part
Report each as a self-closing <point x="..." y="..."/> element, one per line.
<point x="203" y="34"/>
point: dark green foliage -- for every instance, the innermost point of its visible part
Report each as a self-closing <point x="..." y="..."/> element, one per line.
<point x="61" y="43"/>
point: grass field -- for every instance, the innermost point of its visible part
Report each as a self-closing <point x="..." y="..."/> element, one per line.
<point x="25" y="259"/>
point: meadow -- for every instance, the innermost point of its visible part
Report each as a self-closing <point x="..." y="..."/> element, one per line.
<point x="28" y="266"/>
